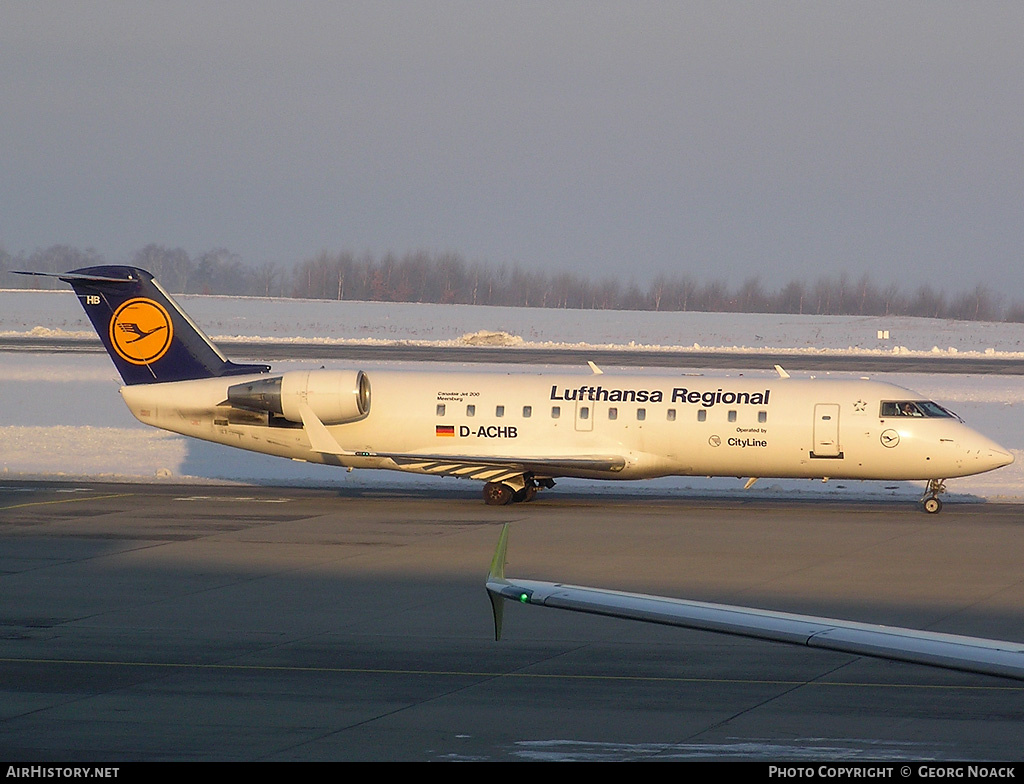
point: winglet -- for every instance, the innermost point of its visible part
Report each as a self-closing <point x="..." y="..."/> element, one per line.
<point x="496" y="577"/>
<point x="320" y="438"/>
<point x="595" y="369"/>
<point x="497" y="571"/>
<point x="781" y="371"/>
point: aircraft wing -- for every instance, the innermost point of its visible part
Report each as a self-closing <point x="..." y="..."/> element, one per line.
<point x="969" y="654"/>
<point x="491" y="469"/>
<point x="495" y="469"/>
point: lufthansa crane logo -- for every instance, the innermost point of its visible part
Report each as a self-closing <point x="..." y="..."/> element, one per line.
<point x="141" y="331"/>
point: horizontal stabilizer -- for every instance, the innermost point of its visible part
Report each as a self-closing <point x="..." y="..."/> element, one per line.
<point x="125" y="277"/>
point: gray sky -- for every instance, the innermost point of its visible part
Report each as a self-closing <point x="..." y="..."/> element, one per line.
<point x="720" y="139"/>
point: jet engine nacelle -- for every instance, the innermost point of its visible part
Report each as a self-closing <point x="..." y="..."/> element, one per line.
<point x="335" y="396"/>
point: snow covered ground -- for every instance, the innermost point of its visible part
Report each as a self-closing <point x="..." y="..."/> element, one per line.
<point x="61" y="414"/>
<point x="225" y="318"/>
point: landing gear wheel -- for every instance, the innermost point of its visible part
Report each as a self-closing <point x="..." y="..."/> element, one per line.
<point x="497" y="494"/>
<point x="930" y="500"/>
<point x="528" y="493"/>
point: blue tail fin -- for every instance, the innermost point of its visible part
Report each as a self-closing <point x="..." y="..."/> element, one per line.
<point x="149" y="338"/>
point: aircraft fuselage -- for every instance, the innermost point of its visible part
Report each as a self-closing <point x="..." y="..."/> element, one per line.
<point x="659" y="425"/>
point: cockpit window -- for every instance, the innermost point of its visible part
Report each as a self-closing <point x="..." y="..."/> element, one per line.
<point x="913" y="408"/>
<point x="934" y="409"/>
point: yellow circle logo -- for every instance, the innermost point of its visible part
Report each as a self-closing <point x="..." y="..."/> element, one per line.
<point x="141" y="331"/>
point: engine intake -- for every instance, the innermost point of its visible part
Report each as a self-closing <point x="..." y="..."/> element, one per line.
<point x="335" y="396"/>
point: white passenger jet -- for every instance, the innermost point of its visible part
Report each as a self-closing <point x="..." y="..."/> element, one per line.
<point x="518" y="432"/>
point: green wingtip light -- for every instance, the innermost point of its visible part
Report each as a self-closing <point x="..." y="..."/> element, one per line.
<point x="524" y="598"/>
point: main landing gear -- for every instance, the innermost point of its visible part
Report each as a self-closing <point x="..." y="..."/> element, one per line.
<point x="502" y="493"/>
<point x="930" y="500"/>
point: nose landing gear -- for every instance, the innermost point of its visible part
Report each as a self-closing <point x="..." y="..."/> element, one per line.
<point x="930" y="500"/>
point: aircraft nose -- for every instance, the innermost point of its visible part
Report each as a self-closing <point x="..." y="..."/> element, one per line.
<point x="989" y="455"/>
<point x="1001" y="457"/>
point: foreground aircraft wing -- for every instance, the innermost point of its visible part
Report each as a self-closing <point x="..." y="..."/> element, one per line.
<point x="969" y="654"/>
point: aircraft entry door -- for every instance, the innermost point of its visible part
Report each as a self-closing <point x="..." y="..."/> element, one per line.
<point x="826" y="431"/>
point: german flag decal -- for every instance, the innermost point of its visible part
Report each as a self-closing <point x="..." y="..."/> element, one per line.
<point x="445" y="430"/>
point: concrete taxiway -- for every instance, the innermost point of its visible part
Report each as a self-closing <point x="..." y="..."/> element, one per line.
<point x="237" y="623"/>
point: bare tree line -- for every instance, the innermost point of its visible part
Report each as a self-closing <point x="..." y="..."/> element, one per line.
<point x="421" y="276"/>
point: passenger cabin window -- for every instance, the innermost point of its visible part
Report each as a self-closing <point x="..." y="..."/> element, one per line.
<point x="702" y="415"/>
<point x="613" y="413"/>
<point x="762" y="416"/>
<point x="670" y="415"/>
<point x="440" y="409"/>
<point x="499" y="411"/>
<point x="527" y="412"/>
<point x="913" y="408"/>
<point x="732" y="416"/>
<point x="470" y="410"/>
<point x="556" y="412"/>
<point x="641" y="414"/>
